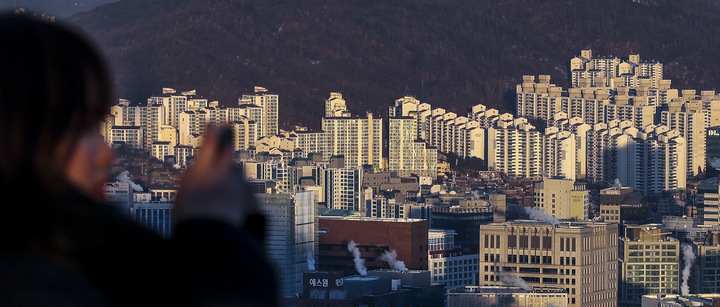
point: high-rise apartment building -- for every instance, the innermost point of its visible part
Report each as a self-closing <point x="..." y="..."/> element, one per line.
<point x="268" y="102"/>
<point x="343" y="188"/>
<point x="560" y="154"/>
<point x="407" y="155"/>
<point x="581" y="257"/>
<point x="515" y="148"/>
<point x="691" y="124"/>
<point x="335" y="106"/>
<point x="359" y="140"/>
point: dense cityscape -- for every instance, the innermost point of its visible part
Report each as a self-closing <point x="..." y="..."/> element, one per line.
<point x="602" y="194"/>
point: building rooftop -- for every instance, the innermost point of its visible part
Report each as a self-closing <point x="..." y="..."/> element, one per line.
<point x="373" y="219"/>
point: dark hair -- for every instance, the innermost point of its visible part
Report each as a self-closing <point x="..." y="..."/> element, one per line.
<point x="54" y="85"/>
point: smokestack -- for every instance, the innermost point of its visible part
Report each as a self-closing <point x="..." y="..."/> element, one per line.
<point x="539" y="215"/>
<point x="391" y="258"/>
<point x="689" y="256"/>
<point x="359" y="262"/>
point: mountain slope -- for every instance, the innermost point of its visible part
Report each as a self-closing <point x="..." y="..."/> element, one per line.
<point x="449" y="53"/>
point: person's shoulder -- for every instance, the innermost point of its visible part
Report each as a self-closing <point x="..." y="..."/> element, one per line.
<point x="28" y="280"/>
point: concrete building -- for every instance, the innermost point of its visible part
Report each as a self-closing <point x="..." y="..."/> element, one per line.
<point x="407" y="155"/>
<point x="712" y="152"/>
<point x="649" y="263"/>
<point x="335" y="106"/>
<point x="371" y="237"/>
<point x="705" y="276"/>
<point x="291" y="237"/>
<point x="155" y="215"/>
<point x="708" y="206"/>
<point x="268" y="103"/>
<point x="448" y="264"/>
<point x="359" y="140"/>
<point x="674" y="300"/>
<point x="619" y="204"/>
<point x="581" y="257"/>
<point x="562" y="198"/>
<point x="131" y="136"/>
<point x="515" y="148"/>
<point x="491" y="296"/>
<point x="691" y="123"/>
<point x="560" y="154"/>
<point x="343" y="188"/>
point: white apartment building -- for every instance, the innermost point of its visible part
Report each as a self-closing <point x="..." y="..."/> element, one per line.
<point x="515" y="148"/>
<point x="268" y="102"/>
<point x="191" y="123"/>
<point x="406" y="154"/>
<point x="343" y="188"/>
<point x="656" y="161"/>
<point x="560" y="153"/>
<point x="691" y="121"/>
<point x="335" y="106"/>
<point x="131" y="136"/>
<point x="358" y="139"/>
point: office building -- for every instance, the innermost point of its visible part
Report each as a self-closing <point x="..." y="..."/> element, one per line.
<point x="157" y="216"/>
<point x="581" y="257"/>
<point x="649" y="263"/>
<point x="708" y="206"/>
<point x="562" y="198"/>
<point x="291" y="237"/>
<point x="491" y="296"/>
<point x="448" y="264"/>
<point x="712" y="152"/>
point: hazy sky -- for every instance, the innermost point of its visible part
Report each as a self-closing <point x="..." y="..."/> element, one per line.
<point x="58" y="8"/>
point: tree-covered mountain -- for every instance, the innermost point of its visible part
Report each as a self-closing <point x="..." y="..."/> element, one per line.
<point x="60" y="9"/>
<point x="449" y="53"/>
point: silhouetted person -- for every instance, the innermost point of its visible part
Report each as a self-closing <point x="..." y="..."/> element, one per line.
<point x="60" y="244"/>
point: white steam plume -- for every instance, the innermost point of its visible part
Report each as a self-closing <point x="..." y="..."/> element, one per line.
<point x="689" y="256"/>
<point x="359" y="262"/>
<point x="123" y="177"/>
<point x="391" y="258"/>
<point x="617" y="184"/>
<point x="310" y="261"/>
<point x="715" y="163"/>
<point x="539" y="214"/>
<point x="515" y="281"/>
